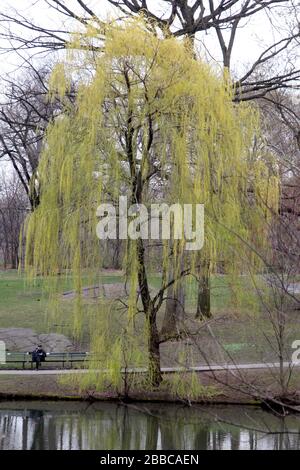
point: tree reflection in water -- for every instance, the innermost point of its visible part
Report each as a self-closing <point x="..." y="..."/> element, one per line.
<point x="45" y="425"/>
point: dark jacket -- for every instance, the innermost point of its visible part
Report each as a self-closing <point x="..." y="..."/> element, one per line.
<point x="38" y="355"/>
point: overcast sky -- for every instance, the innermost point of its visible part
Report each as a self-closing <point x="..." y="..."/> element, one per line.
<point x="252" y="37"/>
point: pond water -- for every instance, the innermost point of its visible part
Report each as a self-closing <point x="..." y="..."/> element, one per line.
<point x="108" y="426"/>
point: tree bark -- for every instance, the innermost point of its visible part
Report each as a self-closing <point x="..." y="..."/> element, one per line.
<point x="203" y="298"/>
<point x="154" y="370"/>
<point x="137" y="184"/>
<point x="155" y="376"/>
<point x="174" y="312"/>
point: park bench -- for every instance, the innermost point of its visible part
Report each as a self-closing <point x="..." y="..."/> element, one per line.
<point x="66" y="358"/>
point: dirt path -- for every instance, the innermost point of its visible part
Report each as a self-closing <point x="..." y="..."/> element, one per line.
<point x="216" y="367"/>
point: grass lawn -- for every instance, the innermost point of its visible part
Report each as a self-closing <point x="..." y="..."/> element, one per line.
<point x="236" y="331"/>
<point x="24" y="305"/>
<point x="20" y="306"/>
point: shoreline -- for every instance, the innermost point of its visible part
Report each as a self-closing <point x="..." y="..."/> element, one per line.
<point x="220" y="388"/>
<point x="134" y="398"/>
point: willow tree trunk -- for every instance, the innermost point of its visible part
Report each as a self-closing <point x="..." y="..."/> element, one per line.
<point x="174" y="312"/>
<point x="154" y="370"/>
<point x="155" y="376"/>
<point x="137" y="187"/>
<point x="203" y="297"/>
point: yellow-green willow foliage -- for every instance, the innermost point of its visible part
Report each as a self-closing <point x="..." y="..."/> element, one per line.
<point x="146" y="114"/>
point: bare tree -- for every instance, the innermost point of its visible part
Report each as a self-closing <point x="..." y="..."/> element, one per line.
<point x="192" y="19"/>
<point x="13" y="209"/>
<point x="24" y="115"/>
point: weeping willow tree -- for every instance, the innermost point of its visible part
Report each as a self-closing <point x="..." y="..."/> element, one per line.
<point x="147" y="114"/>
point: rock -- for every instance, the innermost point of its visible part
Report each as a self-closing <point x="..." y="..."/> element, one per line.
<point x="25" y="339"/>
